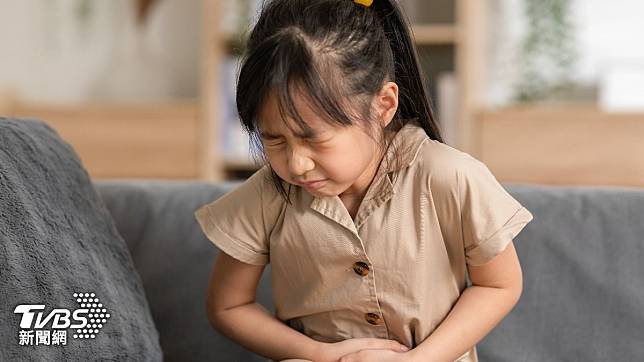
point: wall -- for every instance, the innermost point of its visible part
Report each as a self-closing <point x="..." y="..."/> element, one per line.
<point x="52" y="53"/>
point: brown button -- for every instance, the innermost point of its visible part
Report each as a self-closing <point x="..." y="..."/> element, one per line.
<point x="372" y="318"/>
<point x="361" y="268"/>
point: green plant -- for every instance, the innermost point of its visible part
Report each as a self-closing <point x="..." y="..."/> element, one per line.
<point x="548" y="51"/>
<point x="240" y="37"/>
<point x="83" y="11"/>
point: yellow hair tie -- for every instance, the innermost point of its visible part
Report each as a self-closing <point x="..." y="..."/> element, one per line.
<point x="366" y="3"/>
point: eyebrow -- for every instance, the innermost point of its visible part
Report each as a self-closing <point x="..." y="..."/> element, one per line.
<point x="306" y="135"/>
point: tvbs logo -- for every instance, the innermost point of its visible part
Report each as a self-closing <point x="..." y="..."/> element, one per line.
<point x="86" y="320"/>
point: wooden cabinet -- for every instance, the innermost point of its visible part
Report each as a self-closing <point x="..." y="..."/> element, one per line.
<point x="127" y="141"/>
<point x="562" y="145"/>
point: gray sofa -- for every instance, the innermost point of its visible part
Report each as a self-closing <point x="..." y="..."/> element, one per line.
<point x="582" y="259"/>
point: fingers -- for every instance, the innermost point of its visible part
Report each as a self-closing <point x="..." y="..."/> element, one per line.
<point x="377" y="343"/>
<point x="398" y="347"/>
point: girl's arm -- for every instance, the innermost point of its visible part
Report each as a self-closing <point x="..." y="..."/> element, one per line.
<point x="496" y="288"/>
<point x="232" y="310"/>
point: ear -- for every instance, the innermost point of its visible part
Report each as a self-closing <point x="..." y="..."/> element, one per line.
<point x="387" y="102"/>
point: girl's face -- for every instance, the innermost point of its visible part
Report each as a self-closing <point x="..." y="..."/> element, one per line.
<point x="343" y="160"/>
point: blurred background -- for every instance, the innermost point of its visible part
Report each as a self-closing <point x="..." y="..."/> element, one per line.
<point x="542" y="91"/>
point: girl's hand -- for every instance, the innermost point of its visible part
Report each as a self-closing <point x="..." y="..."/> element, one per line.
<point x="333" y="352"/>
<point x="376" y="355"/>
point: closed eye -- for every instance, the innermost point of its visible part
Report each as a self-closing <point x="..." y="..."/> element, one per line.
<point x="320" y="141"/>
<point x="267" y="136"/>
<point x="321" y="137"/>
<point x="273" y="143"/>
<point x="271" y="140"/>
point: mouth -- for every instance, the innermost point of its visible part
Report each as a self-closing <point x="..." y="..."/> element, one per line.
<point x="313" y="184"/>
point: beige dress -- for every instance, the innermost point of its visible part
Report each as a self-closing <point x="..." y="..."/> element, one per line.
<point x="397" y="269"/>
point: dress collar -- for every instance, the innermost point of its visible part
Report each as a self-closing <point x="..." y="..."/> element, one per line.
<point x="407" y="143"/>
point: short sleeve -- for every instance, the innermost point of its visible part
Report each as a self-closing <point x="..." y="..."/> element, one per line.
<point x="239" y="222"/>
<point x="490" y="216"/>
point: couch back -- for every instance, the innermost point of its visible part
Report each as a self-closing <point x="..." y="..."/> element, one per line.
<point x="581" y="256"/>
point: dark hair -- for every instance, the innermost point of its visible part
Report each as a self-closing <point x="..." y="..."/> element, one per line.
<point x="331" y="51"/>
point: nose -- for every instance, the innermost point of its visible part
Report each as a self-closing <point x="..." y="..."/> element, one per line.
<point x="299" y="161"/>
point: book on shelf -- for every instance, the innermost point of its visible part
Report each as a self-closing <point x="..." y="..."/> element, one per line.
<point x="234" y="144"/>
<point x="233" y="141"/>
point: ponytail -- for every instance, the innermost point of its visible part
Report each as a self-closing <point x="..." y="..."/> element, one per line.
<point x="413" y="101"/>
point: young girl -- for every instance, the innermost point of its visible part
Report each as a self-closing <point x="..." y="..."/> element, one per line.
<point x="371" y="223"/>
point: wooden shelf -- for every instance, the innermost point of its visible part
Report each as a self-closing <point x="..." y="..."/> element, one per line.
<point x="157" y="140"/>
<point x="435" y="34"/>
<point x="425" y="34"/>
<point x="180" y="139"/>
<point x="239" y="164"/>
<point x="566" y="144"/>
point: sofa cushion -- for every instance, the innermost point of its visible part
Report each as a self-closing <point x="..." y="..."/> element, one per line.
<point x="59" y="249"/>
<point x="156" y="219"/>
<point x="583" y="290"/>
